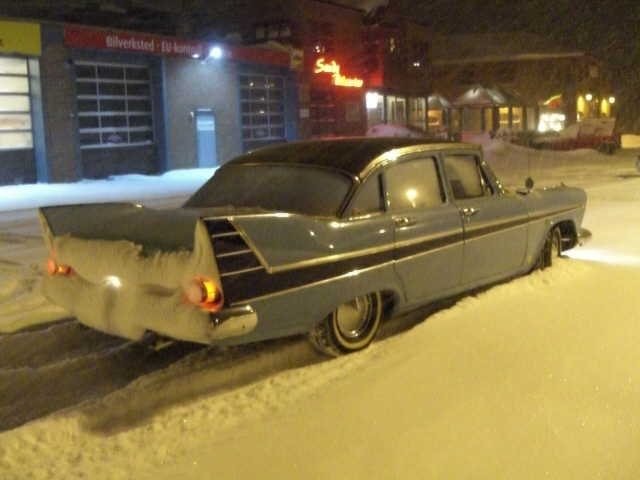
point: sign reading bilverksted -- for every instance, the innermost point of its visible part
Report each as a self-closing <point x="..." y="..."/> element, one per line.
<point x="134" y="43"/>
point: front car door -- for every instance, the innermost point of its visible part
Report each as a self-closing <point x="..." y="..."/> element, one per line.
<point x="495" y="222"/>
<point x="428" y="229"/>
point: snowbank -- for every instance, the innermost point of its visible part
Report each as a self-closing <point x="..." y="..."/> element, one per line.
<point x="538" y="377"/>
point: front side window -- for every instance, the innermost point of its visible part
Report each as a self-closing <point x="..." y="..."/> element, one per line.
<point x="466" y="178"/>
<point x="369" y="198"/>
<point x="15" y="106"/>
<point x="114" y="105"/>
<point x="414" y="184"/>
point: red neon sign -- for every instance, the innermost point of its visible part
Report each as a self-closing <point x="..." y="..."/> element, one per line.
<point x="322" y="66"/>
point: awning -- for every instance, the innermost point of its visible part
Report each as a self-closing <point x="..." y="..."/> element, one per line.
<point x="437" y="102"/>
<point x="481" y="96"/>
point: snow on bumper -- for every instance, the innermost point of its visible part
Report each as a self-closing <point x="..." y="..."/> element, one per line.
<point x="115" y="308"/>
<point x="117" y="288"/>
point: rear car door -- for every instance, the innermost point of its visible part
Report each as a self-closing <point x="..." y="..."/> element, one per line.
<point x="495" y="223"/>
<point x="428" y="229"/>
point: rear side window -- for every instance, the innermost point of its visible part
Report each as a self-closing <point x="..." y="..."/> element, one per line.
<point x="369" y="198"/>
<point x="413" y="184"/>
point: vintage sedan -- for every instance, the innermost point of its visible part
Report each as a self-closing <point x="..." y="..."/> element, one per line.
<point x="323" y="237"/>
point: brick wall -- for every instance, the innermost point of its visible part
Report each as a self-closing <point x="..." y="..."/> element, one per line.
<point x="191" y="85"/>
<point x="58" y="99"/>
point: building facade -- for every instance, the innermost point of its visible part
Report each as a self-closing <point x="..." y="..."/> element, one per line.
<point x="80" y="102"/>
<point x="356" y="69"/>
<point x="517" y="82"/>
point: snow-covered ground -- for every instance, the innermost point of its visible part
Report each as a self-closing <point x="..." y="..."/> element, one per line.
<point x="535" y="378"/>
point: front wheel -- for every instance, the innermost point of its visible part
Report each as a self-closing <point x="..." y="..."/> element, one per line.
<point x="350" y="327"/>
<point x="551" y="249"/>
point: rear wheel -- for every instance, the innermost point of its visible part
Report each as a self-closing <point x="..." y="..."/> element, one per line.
<point x="551" y="249"/>
<point x="350" y="327"/>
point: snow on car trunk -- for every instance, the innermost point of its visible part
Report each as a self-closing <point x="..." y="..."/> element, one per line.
<point x="128" y="287"/>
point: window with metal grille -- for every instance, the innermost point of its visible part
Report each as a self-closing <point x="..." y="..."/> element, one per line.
<point x="322" y="113"/>
<point x="114" y="105"/>
<point x="262" y="104"/>
<point x="15" y="107"/>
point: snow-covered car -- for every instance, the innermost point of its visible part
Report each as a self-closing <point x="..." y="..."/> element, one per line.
<point x="597" y="133"/>
<point x="324" y="237"/>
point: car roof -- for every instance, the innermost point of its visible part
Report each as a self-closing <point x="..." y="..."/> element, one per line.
<point x="350" y="155"/>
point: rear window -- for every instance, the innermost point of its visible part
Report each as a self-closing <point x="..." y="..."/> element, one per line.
<point x="279" y="188"/>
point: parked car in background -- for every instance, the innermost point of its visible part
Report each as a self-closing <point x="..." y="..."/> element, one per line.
<point x="393" y="130"/>
<point x="325" y="237"/>
<point x="597" y="133"/>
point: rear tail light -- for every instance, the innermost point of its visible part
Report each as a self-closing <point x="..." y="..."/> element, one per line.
<point x="205" y="293"/>
<point x="54" y="268"/>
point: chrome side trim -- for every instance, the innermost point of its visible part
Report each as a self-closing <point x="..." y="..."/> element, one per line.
<point x="550" y="212"/>
<point x="250" y="244"/>
<point x="318" y="283"/>
<point x="393" y="155"/>
<point x="244" y="270"/>
<point x="470" y="233"/>
<point x="233" y="254"/>
<point x="331" y="258"/>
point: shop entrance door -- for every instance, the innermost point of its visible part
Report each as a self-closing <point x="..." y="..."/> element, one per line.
<point x="206" y="139"/>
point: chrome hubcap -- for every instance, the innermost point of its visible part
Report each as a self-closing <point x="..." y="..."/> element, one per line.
<point x="353" y="317"/>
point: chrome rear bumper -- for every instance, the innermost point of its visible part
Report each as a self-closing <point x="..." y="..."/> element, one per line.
<point x="231" y="322"/>
<point x="584" y="236"/>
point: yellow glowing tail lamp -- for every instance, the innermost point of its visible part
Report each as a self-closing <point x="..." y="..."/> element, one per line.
<point x="205" y="293"/>
<point x="55" y="269"/>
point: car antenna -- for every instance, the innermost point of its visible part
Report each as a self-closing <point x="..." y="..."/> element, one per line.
<point x="528" y="183"/>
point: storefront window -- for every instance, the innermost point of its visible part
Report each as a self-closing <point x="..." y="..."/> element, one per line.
<point x="114" y="105"/>
<point x="475" y="120"/>
<point x="436" y="121"/>
<point x="263" y="109"/>
<point x="375" y="110"/>
<point x="15" y="106"/>
<point x="417" y="113"/>
<point x="517" y="121"/>
<point x="504" y="117"/>
<point x="396" y="110"/>
<point x="456" y="121"/>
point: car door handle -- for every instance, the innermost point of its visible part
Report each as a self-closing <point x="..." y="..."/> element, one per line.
<point x="469" y="212"/>
<point x="405" y="222"/>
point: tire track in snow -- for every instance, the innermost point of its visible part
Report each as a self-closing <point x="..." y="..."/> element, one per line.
<point x="64" y="365"/>
<point x="209" y="372"/>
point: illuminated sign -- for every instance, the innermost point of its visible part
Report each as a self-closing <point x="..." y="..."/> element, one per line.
<point x="333" y="68"/>
<point x="169" y="46"/>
